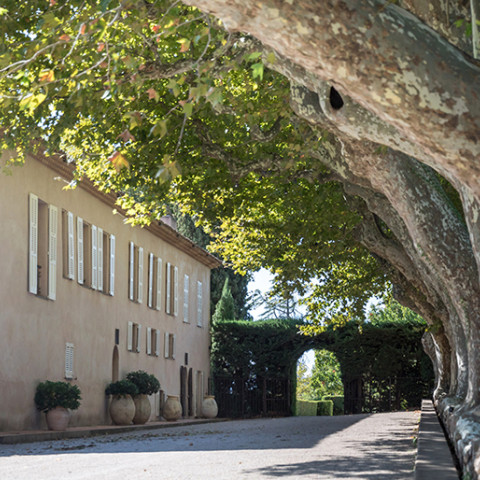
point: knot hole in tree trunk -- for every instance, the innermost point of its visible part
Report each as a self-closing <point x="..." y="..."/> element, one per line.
<point x="336" y="100"/>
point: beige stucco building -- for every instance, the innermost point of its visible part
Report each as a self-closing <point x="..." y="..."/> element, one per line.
<point x="87" y="298"/>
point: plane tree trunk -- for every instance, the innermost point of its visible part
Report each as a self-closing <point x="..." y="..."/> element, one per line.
<point x="410" y="90"/>
<point x="386" y="59"/>
<point x="431" y="250"/>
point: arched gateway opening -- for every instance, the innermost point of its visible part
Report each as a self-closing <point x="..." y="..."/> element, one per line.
<point x="383" y="367"/>
<point x="319" y="377"/>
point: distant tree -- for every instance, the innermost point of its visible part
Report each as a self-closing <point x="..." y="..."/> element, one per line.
<point x="276" y="305"/>
<point x="392" y="312"/>
<point x="326" y="375"/>
<point x="304" y="388"/>
<point x="225" y="309"/>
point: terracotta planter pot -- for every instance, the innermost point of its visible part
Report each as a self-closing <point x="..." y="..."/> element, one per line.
<point x="209" y="407"/>
<point x="143" y="409"/>
<point x="172" y="409"/>
<point x="58" y="418"/>
<point x="122" y="409"/>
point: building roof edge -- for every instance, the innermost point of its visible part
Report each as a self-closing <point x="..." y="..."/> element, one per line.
<point x="159" y="229"/>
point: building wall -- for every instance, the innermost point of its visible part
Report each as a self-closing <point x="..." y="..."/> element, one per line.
<point x="35" y="329"/>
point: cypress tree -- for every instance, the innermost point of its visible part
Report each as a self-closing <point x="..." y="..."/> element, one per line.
<point x="225" y="309"/>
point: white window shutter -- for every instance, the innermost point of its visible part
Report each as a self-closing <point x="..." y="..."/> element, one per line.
<point x="94" y="256"/>
<point x="150" y="280"/>
<point x="100" y="259"/>
<point x="130" y="336"/>
<point x="157" y="342"/>
<point x="175" y="291"/>
<point x="52" y="251"/>
<point x="139" y="331"/>
<point x="186" y="286"/>
<point x="174" y="346"/>
<point x="158" y="306"/>
<point x="168" y="289"/>
<point x="69" y="360"/>
<point x="80" y="272"/>
<point x="167" y="345"/>
<point x="70" y="246"/>
<point x="149" y="341"/>
<point x="199" y="304"/>
<point x="112" y="265"/>
<point x="140" y="275"/>
<point x="131" y="271"/>
<point x="33" y="244"/>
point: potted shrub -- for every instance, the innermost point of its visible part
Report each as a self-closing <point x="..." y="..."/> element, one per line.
<point x="57" y="399"/>
<point x="122" y="408"/>
<point x="147" y="384"/>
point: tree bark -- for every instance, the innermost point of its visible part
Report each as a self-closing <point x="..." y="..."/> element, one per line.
<point x="405" y="88"/>
<point x="386" y="60"/>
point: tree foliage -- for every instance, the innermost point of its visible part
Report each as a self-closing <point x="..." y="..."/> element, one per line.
<point x="326" y="375"/>
<point x="304" y="390"/>
<point x="225" y="309"/>
<point x="313" y="149"/>
<point x="276" y="305"/>
<point x="160" y="103"/>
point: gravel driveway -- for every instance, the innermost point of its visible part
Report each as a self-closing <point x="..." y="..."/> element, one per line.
<point x="346" y="447"/>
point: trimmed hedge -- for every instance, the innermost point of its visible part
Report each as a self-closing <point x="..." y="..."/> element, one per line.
<point x="313" y="408"/>
<point x="325" y="407"/>
<point x="338" y="404"/>
<point x="306" y="409"/>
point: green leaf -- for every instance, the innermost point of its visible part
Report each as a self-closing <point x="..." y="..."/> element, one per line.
<point x="253" y="56"/>
<point x="271" y="57"/>
<point x="188" y="108"/>
<point x="159" y="129"/>
<point x="257" y="69"/>
<point x="215" y="96"/>
<point x="31" y="102"/>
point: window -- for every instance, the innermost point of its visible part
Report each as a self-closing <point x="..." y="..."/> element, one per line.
<point x="95" y="255"/>
<point x="68" y="242"/>
<point x="186" y="286"/>
<point x="86" y="253"/>
<point x="171" y="288"/>
<point x="133" y="336"/>
<point x="42" y="264"/>
<point x="153" y="342"/>
<point x="199" y="304"/>
<point x="135" y="280"/>
<point x="154" y="282"/>
<point x="105" y="262"/>
<point x="69" y="360"/>
<point x="170" y="345"/>
<point x="111" y="272"/>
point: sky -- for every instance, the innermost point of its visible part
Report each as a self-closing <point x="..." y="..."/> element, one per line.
<point x="262" y="280"/>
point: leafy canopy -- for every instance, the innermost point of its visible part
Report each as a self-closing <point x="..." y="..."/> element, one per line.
<point x="158" y="102"/>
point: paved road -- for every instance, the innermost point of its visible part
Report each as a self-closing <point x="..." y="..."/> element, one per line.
<point x="356" y="447"/>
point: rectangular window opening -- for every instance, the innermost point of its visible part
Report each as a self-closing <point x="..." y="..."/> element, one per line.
<point x="43" y="236"/>
<point x="68" y="245"/>
<point x="153" y="279"/>
<point x="133" y="336"/>
<point x="135" y="279"/>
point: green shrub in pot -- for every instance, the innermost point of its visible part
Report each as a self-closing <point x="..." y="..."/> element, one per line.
<point x="50" y="395"/>
<point x="121" y="388"/>
<point x="146" y="383"/>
